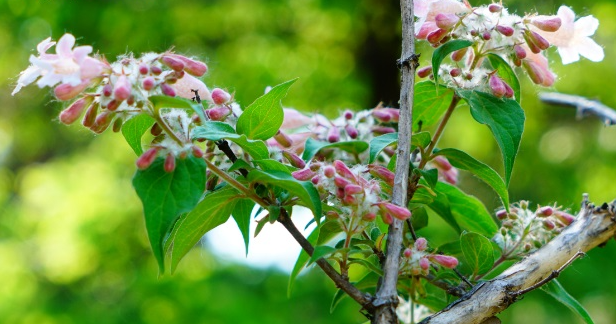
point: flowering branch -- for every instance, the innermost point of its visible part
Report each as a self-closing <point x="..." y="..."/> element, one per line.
<point x="594" y="226"/>
<point x="584" y="107"/>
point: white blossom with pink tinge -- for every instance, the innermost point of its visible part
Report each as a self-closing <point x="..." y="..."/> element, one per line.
<point x="426" y="11"/>
<point x="572" y="39"/>
<point x="68" y="66"/>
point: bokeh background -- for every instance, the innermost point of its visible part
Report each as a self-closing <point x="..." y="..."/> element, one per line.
<point x="73" y="247"/>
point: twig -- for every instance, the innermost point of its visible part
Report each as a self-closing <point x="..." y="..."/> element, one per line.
<point x="552" y="275"/>
<point x="585" y="107"/>
<point x="387" y="295"/>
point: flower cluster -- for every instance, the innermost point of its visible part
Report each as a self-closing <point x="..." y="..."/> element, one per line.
<point x="524" y="231"/>
<point x="355" y="199"/>
<point x="520" y="41"/>
<point x="417" y="259"/>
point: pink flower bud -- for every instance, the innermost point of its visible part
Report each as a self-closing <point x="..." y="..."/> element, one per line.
<point x="381" y="130"/>
<point x="343" y="170"/>
<point x="547" y="23"/>
<point x="395" y="114"/>
<point x="387" y="218"/>
<point x="459" y="54"/>
<point x="421" y="244"/>
<point x="169" y="163"/>
<point x="172" y="63"/>
<point x="70" y="114"/>
<point x="381" y="115"/>
<point x="191" y="66"/>
<point x="455" y="72"/>
<point x="442" y="162"/>
<point x="315" y="180"/>
<point x="102" y="121"/>
<point x="122" y="89"/>
<point x="156" y="70"/>
<point x="541" y="42"/>
<point x="508" y="90"/>
<point x="303" y="175"/>
<point x="494" y="8"/>
<point x="446" y="21"/>
<point x="520" y="52"/>
<point x="408" y="253"/>
<point x="497" y="86"/>
<point x="148" y="83"/>
<point x="369" y="217"/>
<point x="424" y="71"/>
<point x="220" y="96"/>
<point x="451" y="176"/>
<point x="382" y="173"/>
<point x="283" y="139"/>
<point x="333" y="135"/>
<point x="486" y="35"/>
<point x="435" y="36"/>
<point x="351" y="131"/>
<point x="66" y="91"/>
<point x="501" y="214"/>
<point x="505" y="30"/>
<point x="146" y="159"/>
<point x="90" y="116"/>
<point x="117" y="125"/>
<point x="332" y="215"/>
<point x="167" y="90"/>
<point x="474" y="33"/>
<point x="341" y="182"/>
<point x="545" y="211"/>
<point x="107" y="90"/>
<point x="349" y="200"/>
<point x="143" y="69"/>
<point x="445" y="260"/>
<point x="329" y="171"/>
<point x="353" y="189"/>
<point x="197" y="152"/>
<point x="348" y="114"/>
<point x="548" y="224"/>
<point x="398" y="212"/>
<point x="566" y="218"/>
<point x="295" y="160"/>
<point x="113" y="105"/>
<point x="424" y="263"/>
<point x="534" y="71"/>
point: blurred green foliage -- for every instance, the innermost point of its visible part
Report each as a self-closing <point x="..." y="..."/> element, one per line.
<point x="73" y="247"/>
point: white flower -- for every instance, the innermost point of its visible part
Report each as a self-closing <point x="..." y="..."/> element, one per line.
<point x="573" y="37"/>
<point x="426" y="11"/>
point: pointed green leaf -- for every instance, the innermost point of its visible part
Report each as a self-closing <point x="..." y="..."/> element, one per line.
<point x="368" y="264"/>
<point x="336" y="300"/>
<point x="170" y="102"/>
<point x="313" y="146"/>
<point x="213" y="210"/>
<point x="463" y="161"/>
<point x="241" y="214"/>
<point x="304" y="190"/>
<point x="240" y="164"/>
<point x="506" y="73"/>
<point x="327" y="231"/>
<point x="377" y="144"/>
<point x="441" y="53"/>
<point x="166" y="195"/>
<point x="272" y="165"/>
<point x="134" y="128"/>
<point x="478" y="252"/>
<point x="431" y="176"/>
<point x="263" y="118"/>
<point x="321" y="252"/>
<point x="430" y="103"/>
<point x="556" y="290"/>
<point x="420" y="218"/>
<point x="215" y="131"/>
<point x="504" y="117"/>
<point x="439" y="204"/>
<point x="302" y="259"/>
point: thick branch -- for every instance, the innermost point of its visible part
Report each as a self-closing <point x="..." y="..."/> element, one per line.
<point x="593" y="227"/>
<point x="585" y="107"/>
<point x="387" y="294"/>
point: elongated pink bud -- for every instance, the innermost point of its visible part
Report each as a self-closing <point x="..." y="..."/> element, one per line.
<point x="351" y="131"/>
<point x="520" y="52"/>
<point x="497" y="86"/>
<point x="146" y="159"/>
<point x="103" y="120"/>
<point x="501" y="214"/>
<point x="394" y="113"/>
<point x="446" y="21"/>
<point x="369" y="217"/>
<point x="424" y="71"/>
<point x="541" y="42"/>
<point x="381" y="115"/>
<point x="113" y="105"/>
<point x="408" y="253"/>
<point x="148" y="83"/>
<point x="398" y="212"/>
<point x="566" y="218"/>
<point x="72" y="113"/>
<point x="156" y="70"/>
<point x="421" y="244"/>
<point x="90" y="116"/>
<point x="455" y="72"/>
<point x="197" y="151"/>
<point x="333" y="135"/>
<point x="122" y="88"/>
<point x="442" y="162"/>
<point x="295" y="160"/>
<point x="424" y="264"/>
<point x="534" y="71"/>
<point x="191" y="66"/>
<point x="494" y="8"/>
<point x="381" y="130"/>
<point x="508" y="90"/>
<point x="66" y="91"/>
<point x="341" y="182"/>
<point x="107" y="90"/>
<point x="458" y="55"/>
<point x="548" y="224"/>
<point x="220" y="96"/>
<point x="486" y="35"/>
<point x="435" y="36"/>
<point x="353" y="189"/>
<point x="315" y="180"/>
<point x="450" y="176"/>
<point x="505" y="30"/>
<point x="172" y="63"/>
<point x="167" y="90"/>
<point x="545" y="211"/>
<point x="169" y="163"/>
<point x="283" y="139"/>
<point x="445" y="260"/>
<point x="547" y="23"/>
<point x="343" y="170"/>
<point x="218" y="113"/>
<point x="382" y="173"/>
<point x="387" y="218"/>
<point x="304" y="174"/>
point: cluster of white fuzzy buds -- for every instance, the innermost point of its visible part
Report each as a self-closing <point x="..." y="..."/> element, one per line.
<point x="524" y="230"/>
<point x="354" y="197"/>
<point x="493" y="30"/>
<point x="417" y="260"/>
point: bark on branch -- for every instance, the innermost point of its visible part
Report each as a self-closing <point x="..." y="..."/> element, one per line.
<point x="585" y="107"/>
<point x="594" y="226"/>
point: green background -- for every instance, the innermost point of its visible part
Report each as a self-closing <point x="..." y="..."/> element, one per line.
<point x="73" y="247"/>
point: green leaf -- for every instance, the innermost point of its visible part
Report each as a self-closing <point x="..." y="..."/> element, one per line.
<point x="378" y="143"/>
<point x="463" y="161"/>
<point x="241" y="214"/>
<point x="240" y="164"/>
<point x="431" y="176"/>
<point x="170" y="102"/>
<point x="420" y="218"/>
<point x="506" y="73"/>
<point x="421" y="139"/>
<point x="504" y="117"/>
<point x="272" y="165"/>
<point x="327" y="231"/>
<point x="213" y="210"/>
<point x="304" y="190"/>
<point x="468" y="211"/>
<point x="478" y="252"/>
<point x="263" y="118"/>
<point x="556" y="290"/>
<point x="134" y="128"/>
<point x="321" y="252"/>
<point x="441" y="53"/>
<point x="336" y="300"/>
<point x="367" y="264"/>
<point x="313" y="146"/>
<point x="166" y="195"/>
<point x="302" y="259"/>
<point x="215" y="131"/>
<point x="430" y="103"/>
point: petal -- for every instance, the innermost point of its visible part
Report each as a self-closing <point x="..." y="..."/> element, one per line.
<point x="586" y="26"/>
<point x="566" y="14"/>
<point x="65" y="45"/>
<point x="590" y="50"/>
<point x="80" y="52"/>
<point x="568" y="54"/>
<point x="90" y="68"/>
<point x="26" y="77"/>
<point x="44" y="45"/>
<point x="41" y="63"/>
<point x="420" y="8"/>
<point x="49" y="80"/>
<point x="72" y="79"/>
